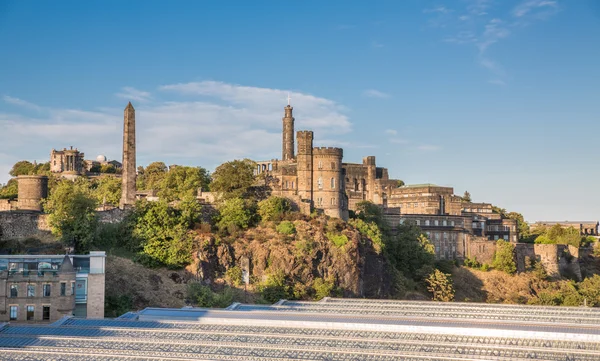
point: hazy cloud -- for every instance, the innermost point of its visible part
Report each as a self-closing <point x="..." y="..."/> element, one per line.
<point x="204" y="123"/>
<point x="391" y="131"/>
<point x="428" y="147"/>
<point x="20" y="102"/>
<point x="133" y="94"/>
<point x="481" y="24"/>
<point x="372" y="93"/>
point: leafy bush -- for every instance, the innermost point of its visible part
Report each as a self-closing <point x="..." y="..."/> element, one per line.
<point x="503" y="257"/>
<point x="485" y="267"/>
<point x="339" y="240"/>
<point x="323" y="288"/>
<point x="273" y="208"/>
<point x="235" y="213"/>
<point x="471" y="262"/>
<point x="371" y="231"/>
<point x="439" y="284"/>
<point x="543" y="239"/>
<point x="275" y="288"/>
<point x="234" y="275"/>
<point x="203" y="296"/>
<point x="286" y="227"/>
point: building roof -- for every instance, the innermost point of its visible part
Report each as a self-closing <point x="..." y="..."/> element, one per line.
<point x="331" y="329"/>
<point x="423" y="185"/>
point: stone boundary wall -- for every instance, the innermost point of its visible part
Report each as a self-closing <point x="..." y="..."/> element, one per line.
<point x="23" y="224"/>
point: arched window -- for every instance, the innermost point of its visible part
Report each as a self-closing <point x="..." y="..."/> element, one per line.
<point x="332" y="183"/>
<point x="332" y="165"/>
<point x="320" y="165"/>
<point x="320" y="183"/>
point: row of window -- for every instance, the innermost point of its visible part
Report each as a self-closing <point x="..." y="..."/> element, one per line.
<point x="320" y="201"/>
<point x="436" y="222"/>
<point x="320" y="165"/>
<point x="46" y="289"/>
<point x="439" y="236"/>
<point x="14" y="313"/>
<point x="320" y="183"/>
<point x="498" y="228"/>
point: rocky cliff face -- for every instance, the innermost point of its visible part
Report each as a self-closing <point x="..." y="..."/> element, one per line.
<point x="357" y="268"/>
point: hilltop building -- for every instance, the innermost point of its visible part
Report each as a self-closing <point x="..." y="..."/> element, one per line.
<point x="585" y="228"/>
<point x="45" y="288"/>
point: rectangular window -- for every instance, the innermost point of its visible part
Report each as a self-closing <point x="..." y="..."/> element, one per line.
<point x="31" y="290"/>
<point x="47" y="290"/>
<point x="14" y="290"/>
<point x="427" y="222"/>
<point x="63" y="288"/>
<point x="496" y="237"/>
<point x="436" y="222"/>
<point x="452" y="223"/>
<point x="418" y="222"/>
<point x="46" y="313"/>
<point x="72" y="288"/>
<point x="332" y="183"/>
<point x="14" y="311"/>
<point x="444" y="223"/>
<point x="30" y="312"/>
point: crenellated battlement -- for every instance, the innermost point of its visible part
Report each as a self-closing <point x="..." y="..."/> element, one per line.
<point x="328" y="151"/>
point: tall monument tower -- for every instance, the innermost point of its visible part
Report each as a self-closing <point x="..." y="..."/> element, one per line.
<point x="129" y="168"/>
<point x="287" y="150"/>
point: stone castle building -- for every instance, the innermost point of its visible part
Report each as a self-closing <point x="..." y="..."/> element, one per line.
<point x="585" y="228"/>
<point x="317" y="179"/>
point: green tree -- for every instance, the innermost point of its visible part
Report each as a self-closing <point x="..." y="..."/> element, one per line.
<point x="467" y="197"/>
<point x="72" y="215"/>
<point x="275" y="288"/>
<point x="234" y="276"/>
<point x="10" y="190"/>
<point x="233" y="179"/>
<point x="589" y="289"/>
<point x="108" y="168"/>
<point x="151" y="176"/>
<point x="182" y="181"/>
<point x="273" y="208"/>
<point x="522" y="226"/>
<point x="504" y="257"/>
<point x="163" y="233"/>
<point x="370" y="212"/>
<point x="106" y="189"/>
<point x="543" y="239"/>
<point x="411" y="252"/>
<point x="439" y="284"/>
<point x="235" y="213"/>
<point x="23" y="167"/>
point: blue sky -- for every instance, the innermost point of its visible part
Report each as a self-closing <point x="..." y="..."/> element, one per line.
<point x="499" y="98"/>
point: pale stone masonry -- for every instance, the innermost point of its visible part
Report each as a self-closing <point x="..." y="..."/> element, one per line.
<point x="45" y="288"/>
<point x="129" y="166"/>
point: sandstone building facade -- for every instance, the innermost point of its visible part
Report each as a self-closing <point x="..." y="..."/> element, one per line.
<point x="45" y="288"/>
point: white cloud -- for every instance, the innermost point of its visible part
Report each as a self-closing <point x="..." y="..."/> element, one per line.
<point x="437" y="9"/>
<point x="497" y="82"/>
<point x="20" y="102"/>
<point x="481" y="24"/>
<point x="428" y="147"/>
<point x="376" y="44"/>
<point x="535" y="7"/>
<point x="391" y="131"/>
<point x="372" y="93"/>
<point x="204" y="123"/>
<point x="135" y="95"/>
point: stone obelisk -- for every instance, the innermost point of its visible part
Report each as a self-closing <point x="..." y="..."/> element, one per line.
<point x="129" y="168"/>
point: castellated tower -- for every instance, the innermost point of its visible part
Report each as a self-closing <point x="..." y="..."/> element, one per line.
<point x="287" y="150"/>
<point x="328" y="178"/>
<point x="129" y="167"/>
<point x="305" y="165"/>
